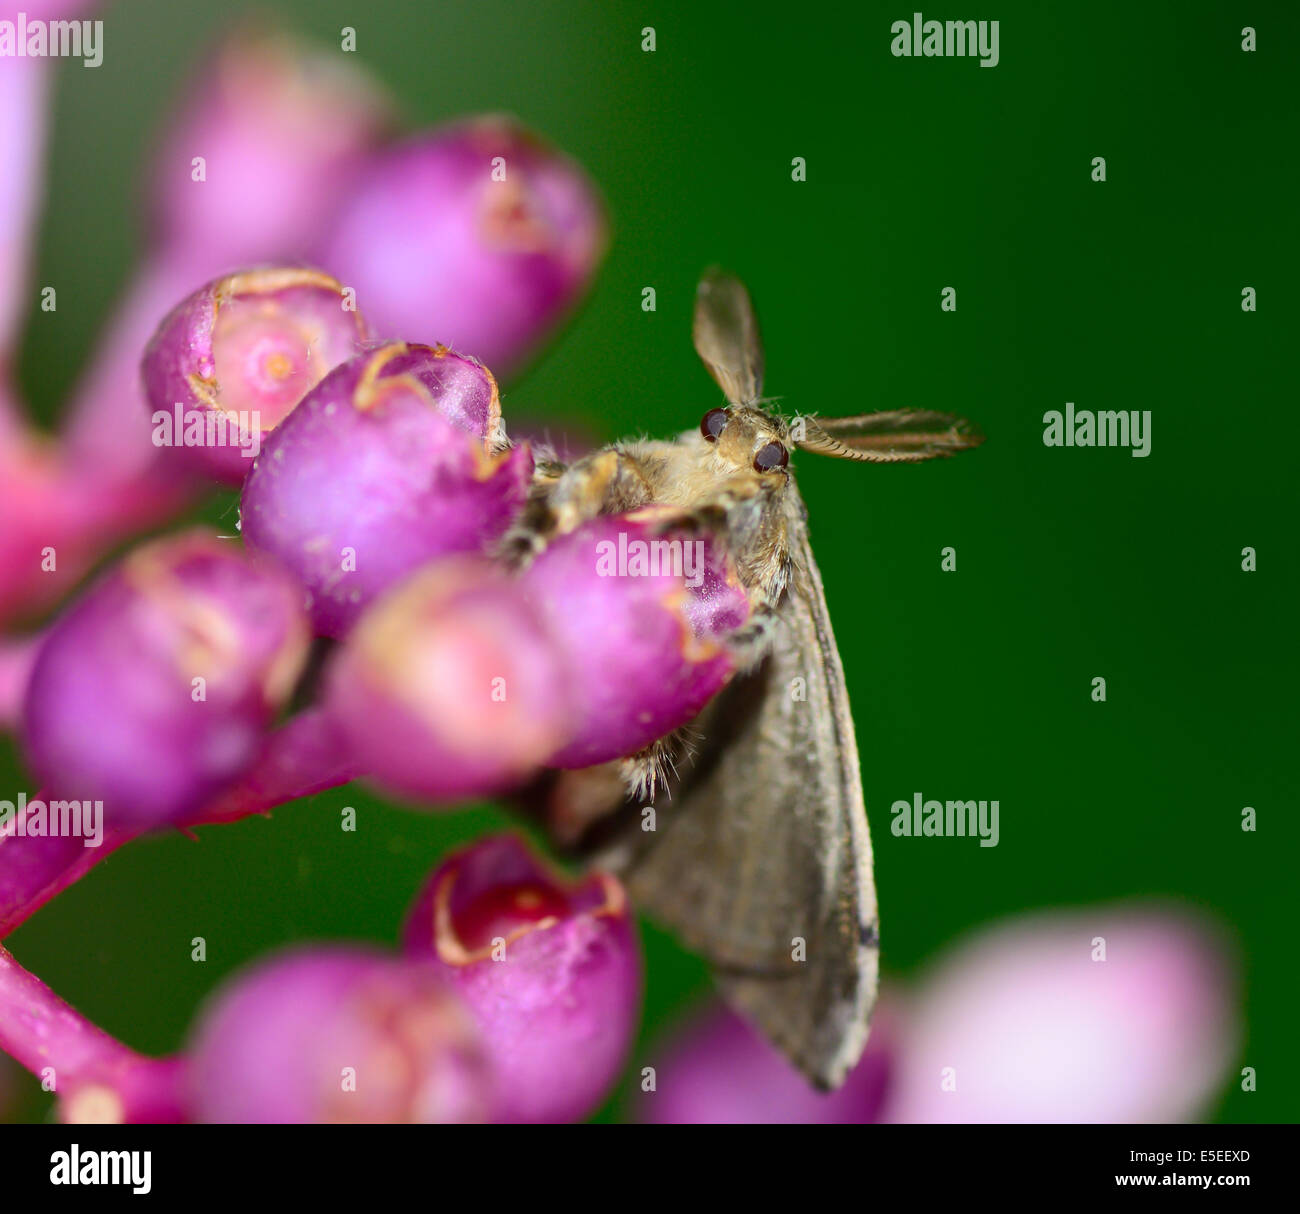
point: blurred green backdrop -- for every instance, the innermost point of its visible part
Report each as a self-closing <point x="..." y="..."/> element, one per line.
<point x="922" y="174"/>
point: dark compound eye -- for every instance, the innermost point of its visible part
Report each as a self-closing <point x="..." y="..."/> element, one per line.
<point x="773" y="455"/>
<point x="712" y="423"/>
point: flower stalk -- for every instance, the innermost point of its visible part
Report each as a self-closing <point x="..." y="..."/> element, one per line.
<point x="97" y="1078"/>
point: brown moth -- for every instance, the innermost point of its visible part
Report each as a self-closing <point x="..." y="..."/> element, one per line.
<point x="760" y="856"/>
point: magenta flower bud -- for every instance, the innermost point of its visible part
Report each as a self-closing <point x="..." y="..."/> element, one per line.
<point x="393" y="459"/>
<point x="258" y="161"/>
<point x="551" y="970"/>
<point x="152" y="692"/>
<point x="476" y="233"/>
<point x="229" y="363"/>
<point x="337" y="1034"/>
<point x="642" y="612"/>
<point x="448" y="687"/>
<point x="719" y="1071"/>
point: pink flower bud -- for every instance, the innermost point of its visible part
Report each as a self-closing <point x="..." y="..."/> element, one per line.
<point x="641" y="611"/>
<point x="230" y="362"/>
<point x="1114" y="1014"/>
<point x="152" y="692"/>
<point x="394" y="458"/>
<point x="262" y="152"/>
<point x="478" y="234"/>
<point x="550" y="969"/>
<point x="448" y="688"/>
<point x="337" y="1034"/>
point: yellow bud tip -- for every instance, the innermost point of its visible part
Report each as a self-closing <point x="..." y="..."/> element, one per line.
<point x="279" y="366"/>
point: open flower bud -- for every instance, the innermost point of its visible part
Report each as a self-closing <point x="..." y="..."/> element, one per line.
<point x="551" y="970"/>
<point x="337" y="1034"/>
<point x="448" y="687"/>
<point x="477" y="233"/>
<point x="641" y="611"/>
<point x="259" y="157"/>
<point x="229" y="363"/>
<point x="152" y="692"/>
<point x="393" y="459"/>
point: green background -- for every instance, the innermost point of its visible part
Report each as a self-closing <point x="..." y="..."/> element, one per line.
<point x="922" y="174"/>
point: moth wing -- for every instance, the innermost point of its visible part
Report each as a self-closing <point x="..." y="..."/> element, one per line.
<point x="765" y="842"/>
<point x="727" y="337"/>
<point x="890" y="436"/>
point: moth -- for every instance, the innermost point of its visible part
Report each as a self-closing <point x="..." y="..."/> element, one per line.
<point x="760" y="859"/>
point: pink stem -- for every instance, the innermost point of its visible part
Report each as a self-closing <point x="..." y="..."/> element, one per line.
<point x="96" y="1076"/>
<point x="103" y="481"/>
<point x="62" y="514"/>
<point x="299" y="759"/>
<point x="303" y="757"/>
<point x="33" y="868"/>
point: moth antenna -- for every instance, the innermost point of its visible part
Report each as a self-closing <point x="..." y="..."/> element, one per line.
<point x="900" y="436"/>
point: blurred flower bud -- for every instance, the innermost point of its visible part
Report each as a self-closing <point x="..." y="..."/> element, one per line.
<point x="393" y="459"/>
<point x="152" y="692"/>
<point x="337" y="1034"/>
<point x="477" y="233"/>
<point x="448" y="687"/>
<point x="229" y="363"/>
<point x="1106" y="1015"/>
<point x="641" y="610"/>
<point x="719" y="1071"/>
<point x="258" y="160"/>
<point x="551" y="970"/>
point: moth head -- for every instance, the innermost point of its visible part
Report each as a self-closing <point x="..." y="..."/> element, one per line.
<point x="746" y="439"/>
<point x="895" y="436"/>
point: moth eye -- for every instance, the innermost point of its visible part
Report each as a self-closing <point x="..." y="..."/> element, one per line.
<point x="773" y="455"/>
<point x="712" y="424"/>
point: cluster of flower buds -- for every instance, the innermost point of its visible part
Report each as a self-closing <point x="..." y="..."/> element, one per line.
<point x="365" y="462"/>
<point x="381" y="501"/>
<point x="516" y="997"/>
<point x="381" y="495"/>
<point x="378" y="486"/>
<point x="476" y="232"/>
<point x="461" y="681"/>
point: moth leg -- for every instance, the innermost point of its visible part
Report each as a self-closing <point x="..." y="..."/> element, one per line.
<point x="606" y="482"/>
<point x="656" y="767"/>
